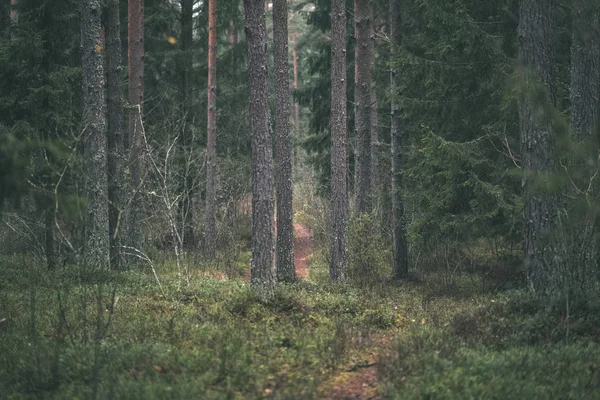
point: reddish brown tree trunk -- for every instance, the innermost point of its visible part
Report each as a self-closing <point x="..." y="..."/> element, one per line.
<point x="211" y="146"/>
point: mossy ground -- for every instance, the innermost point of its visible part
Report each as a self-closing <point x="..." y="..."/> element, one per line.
<point x="214" y="339"/>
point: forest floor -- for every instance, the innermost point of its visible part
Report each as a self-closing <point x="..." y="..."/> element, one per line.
<point x="443" y="335"/>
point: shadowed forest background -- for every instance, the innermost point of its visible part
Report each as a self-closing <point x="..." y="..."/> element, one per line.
<point x="327" y="199"/>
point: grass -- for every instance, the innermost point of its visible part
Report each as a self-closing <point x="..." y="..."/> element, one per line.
<point x="118" y="336"/>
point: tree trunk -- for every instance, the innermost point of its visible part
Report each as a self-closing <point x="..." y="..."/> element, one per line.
<point x="362" y="94"/>
<point x="283" y="153"/>
<point x="339" y="156"/>
<point x="211" y="162"/>
<point x="185" y="207"/>
<point x="397" y="141"/>
<point x="374" y="121"/>
<point x="296" y="104"/>
<point x="262" y="274"/>
<point x="537" y="139"/>
<point x="116" y="138"/>
<point x="136" y="100"/>
<point x="585" y="67"/>
<point x="97" y="246"/>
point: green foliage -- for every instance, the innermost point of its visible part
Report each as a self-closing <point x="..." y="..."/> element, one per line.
<point x="369" y="258"/>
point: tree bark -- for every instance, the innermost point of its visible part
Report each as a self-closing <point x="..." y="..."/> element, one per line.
<point x="97" y="243"/>
<point x="585" y="67"/>
<point x="262" y="274"/>
<point x="362" y="21"/>
<point x="116" y="138"/>
<point x="185" y="207"/>
<point x="397" y="141"/>
<point x="296" y="104"/>
<point x="537" y="139"/>
<point x="136" y="100"/>
<point x="339" y="156"/>
<point x="211" y="146"/>
<point x="283" y="153"/>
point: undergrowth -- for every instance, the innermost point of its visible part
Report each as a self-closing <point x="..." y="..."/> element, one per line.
<point x="112" y="336"/>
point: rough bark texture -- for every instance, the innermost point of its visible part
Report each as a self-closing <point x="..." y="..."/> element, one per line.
<point x="185" y="206"/>
<point x="116" y="138"/>
<point x="537" y="139"/>
<point x="585" y="67"/>
<point x="397" y="139"/>
<point x="97" y="245"/>
<point x="262" y="271"/>
<point x="136" y="100"/>
<point x="211" y="144"/>
<point x="374" y="121"/>
<point x="283" y="152"/>
<point x="375" y="183"/>
<point x="362" y="22"/>
<point x="297" y="132"/>
<point x="339" y="156"/>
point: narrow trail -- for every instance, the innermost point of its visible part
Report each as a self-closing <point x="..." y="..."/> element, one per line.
<point x="303" y="243"/>
<point x="359" y="380"/>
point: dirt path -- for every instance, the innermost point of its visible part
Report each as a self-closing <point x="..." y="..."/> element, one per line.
<point x="359" y="380"/>
<point x="303" y="242"/>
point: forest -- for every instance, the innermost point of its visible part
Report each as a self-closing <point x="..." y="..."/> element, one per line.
<point x="300" y="199"/>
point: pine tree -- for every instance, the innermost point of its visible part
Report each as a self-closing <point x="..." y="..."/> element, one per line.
<point x="362" y="93"/>
<point x="400" y="248"/>
<point x="262" y="274"/>
<point x="211" y="147"/>
<point x="537" y="139"/>
<point x="97" y="246"/>
<point x="116" y="138"/>
<point x="339" y="158"/>
<point x="585" y="67"/>
<point x="136" y="100"/>
<point x="283" y="154"/>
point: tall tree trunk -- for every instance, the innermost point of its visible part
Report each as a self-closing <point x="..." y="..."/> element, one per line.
<point x="136" y="100"/>
<point x="339" y="155"/>
<point x="296" y="104"/>
<point x="537" y="139"/>
<point x="585" y="67"/>
<point x="211" y="146"/>
<point x="397" y="139"/>
<point x="374" y="121"/>
<point x="116" y="138"/>
<point x="362" y="94"/>
<point x="97" y="243"/>
<point x="262" y="274"/>
<point x="185" y="206"/>
<point x="585" y="102"/>
<point x="283" y="153"/>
